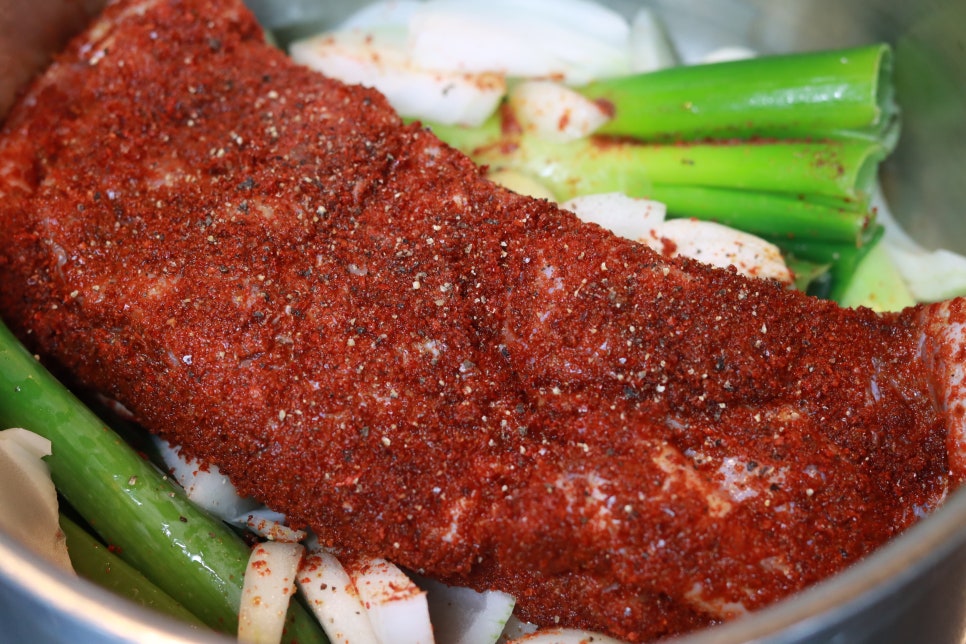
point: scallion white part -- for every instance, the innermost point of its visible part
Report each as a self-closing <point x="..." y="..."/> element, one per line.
<point x="268" y="587"/>
<point x="28" y="500"/>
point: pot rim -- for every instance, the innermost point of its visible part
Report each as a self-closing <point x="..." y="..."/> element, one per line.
<point x="828" y="603"/>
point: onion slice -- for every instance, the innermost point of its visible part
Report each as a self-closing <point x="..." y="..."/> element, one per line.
<point x="931" y="275"/>
<point x="705" y="241"/>
<point x="334" y="599"/>
<point x="723" y="246"/>
<point x="397" y="607"/>
<point x="576" y="40"/>
<point x="268" y="587"/>
<point x="377" y="58"/>
<point x="269" y="524"/>
<point x="204" y="484"/>
<point x="555" y="112"/>
<point x="465" y="616"/>
<point x="28" y="500"/>
<point x="627" y="217"/>
<point x="650" y="48"/>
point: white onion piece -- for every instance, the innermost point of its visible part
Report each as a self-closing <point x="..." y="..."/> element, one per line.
<point x="650" y="49"/>
<point x="566" y="636"/>
<point x="380" y="15"/>
<point x="378" y="59"/>
<point x="206" y="486"/>
<point x="723" y="246"/>
<point x="268" y="524"/>
<point x="268" y="587"/>
<point x="643" y="221"/>
<point x="334" y="600"/>
<point x="515" y="629"/>
<point x="725" y="54"/>
<point x="573" y="40"/>
<point x="931" y="275"/>
<point x="465" y="616"/>
<point x="28" y="500"/>
<point x="397" y="607"/>
<point x="555" y="112"/>
<point x="628" y="217"/>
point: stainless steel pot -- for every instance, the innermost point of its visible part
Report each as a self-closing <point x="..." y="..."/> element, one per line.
<point x="913" y="589"/>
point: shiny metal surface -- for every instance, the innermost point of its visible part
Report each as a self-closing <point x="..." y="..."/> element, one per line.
<point x="41" y="605"/>
<point x="914" y="589"/>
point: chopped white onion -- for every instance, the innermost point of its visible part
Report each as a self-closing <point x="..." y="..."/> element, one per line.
<point x="466" y="616"/>
<point x="650" y="49"/>
<point x="206" y="486"/>
<point x="268" y="524"/>
<point x="628" y="217"/>
<point x="931" y="275"/>
<point x="333" y="599"/>
<point x="726" y="54"/>
<point x="382" y="15"/>
<point x="723" y="246"/>
<point x="397" y="607"/>
<point x="554" y="111"/>
<point x="268" y="587"/>
<point x="378" y="59"/>
<point x="574" y="40"/>
<point x="28" y="500"/>
<point x="447" y="61"/>
<point x="705" y="241"/>
<point x="515" y="629"/>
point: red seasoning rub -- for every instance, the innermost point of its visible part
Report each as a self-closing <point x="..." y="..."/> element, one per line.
<point x="269" y="268"/>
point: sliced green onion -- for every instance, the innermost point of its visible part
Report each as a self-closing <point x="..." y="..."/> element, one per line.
<point x="828" y="94"/>
<point x="95" y="562"/>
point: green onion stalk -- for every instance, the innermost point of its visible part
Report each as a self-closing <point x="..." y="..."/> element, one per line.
<point x="786" y="147"/>
<point x="821" y="189"/>
<point x="149" y="522"/>
<point x="842" y="259"/>
<point x="95" y="562"/>
<point x="844" y="93"/>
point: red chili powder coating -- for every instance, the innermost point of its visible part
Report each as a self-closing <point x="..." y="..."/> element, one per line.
<point x="269" y="269"/>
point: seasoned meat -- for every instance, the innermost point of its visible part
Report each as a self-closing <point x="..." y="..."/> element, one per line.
<point x="269" y="268"/>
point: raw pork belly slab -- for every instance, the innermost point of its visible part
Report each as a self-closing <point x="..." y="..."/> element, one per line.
<point x="269" y="268"/>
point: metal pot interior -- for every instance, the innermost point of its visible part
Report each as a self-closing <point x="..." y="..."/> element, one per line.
<point x="909" y="590"/>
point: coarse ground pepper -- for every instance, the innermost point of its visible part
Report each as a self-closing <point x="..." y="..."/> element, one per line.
<point x="268" y="268"/>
